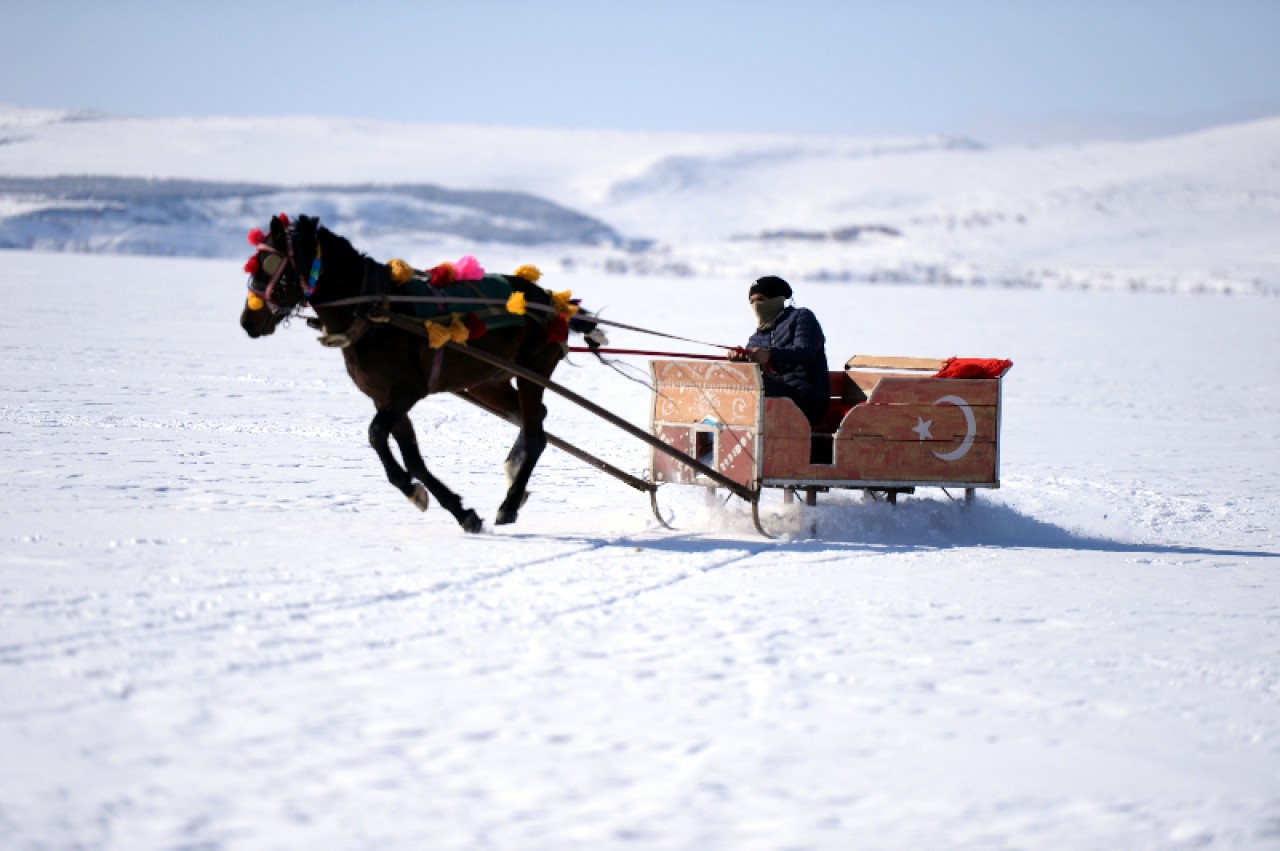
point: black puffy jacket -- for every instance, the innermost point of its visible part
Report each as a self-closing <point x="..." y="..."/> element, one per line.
<point x="798" y="359"/>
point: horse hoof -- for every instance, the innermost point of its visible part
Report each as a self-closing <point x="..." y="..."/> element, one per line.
<point x="505" y="517"/>
<point x="471" y="522"/>
<point x="420" y="498"/>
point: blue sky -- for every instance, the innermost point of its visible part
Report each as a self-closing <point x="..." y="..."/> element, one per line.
<point x="996" y="71"/>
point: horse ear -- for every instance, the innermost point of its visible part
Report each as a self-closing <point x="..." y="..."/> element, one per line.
<point x="277" y="229"/>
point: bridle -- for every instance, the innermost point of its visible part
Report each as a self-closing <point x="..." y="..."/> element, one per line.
<point x="281" y="260"/>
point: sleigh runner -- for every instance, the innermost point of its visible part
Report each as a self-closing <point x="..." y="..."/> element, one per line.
<point x="894" y="425"/>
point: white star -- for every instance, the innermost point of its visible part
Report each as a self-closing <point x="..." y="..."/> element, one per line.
<point x="922" y="428"/>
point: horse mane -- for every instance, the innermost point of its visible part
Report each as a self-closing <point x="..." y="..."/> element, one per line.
<point x="342" y="262"/>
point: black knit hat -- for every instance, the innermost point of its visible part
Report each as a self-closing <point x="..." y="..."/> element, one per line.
<point x="770" y="286"/>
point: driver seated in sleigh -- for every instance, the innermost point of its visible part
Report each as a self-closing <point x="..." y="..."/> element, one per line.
<point x="789" y="346"/>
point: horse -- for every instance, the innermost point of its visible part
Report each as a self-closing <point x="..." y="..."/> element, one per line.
<point x="299" y="263"/>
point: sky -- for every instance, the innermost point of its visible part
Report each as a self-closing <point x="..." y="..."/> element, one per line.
<point x="1006" y="72"/>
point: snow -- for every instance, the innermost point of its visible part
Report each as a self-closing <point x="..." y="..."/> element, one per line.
<point x="221" y="628"/>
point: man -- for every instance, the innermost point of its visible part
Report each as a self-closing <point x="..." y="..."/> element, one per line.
<point x="790" y="348"/>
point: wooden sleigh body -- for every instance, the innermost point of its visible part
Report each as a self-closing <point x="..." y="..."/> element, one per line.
<point x="892" y="427"/>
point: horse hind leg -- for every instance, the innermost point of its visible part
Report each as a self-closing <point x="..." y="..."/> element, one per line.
<point x="394" y="422"/>
<point x="525" y="452"/>
<point x="503" y="399"/>
<point x="515" y="460"/>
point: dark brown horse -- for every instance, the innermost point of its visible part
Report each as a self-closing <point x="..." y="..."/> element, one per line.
<point x="302" y="263"/>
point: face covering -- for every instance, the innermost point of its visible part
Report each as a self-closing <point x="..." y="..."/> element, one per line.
<point x="767" y="311"/>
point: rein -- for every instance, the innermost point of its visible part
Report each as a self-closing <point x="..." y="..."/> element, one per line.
<point x="644" y="353"/>
<point x="308" y="284"/>
<point x="591" y="317"/>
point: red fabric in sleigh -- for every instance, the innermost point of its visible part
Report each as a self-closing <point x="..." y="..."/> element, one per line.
<point x="974" y="368"/>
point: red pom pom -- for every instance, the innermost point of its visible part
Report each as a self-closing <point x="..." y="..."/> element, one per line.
<point x="284" y="220"/>
<point x="252" y="266"/>
<point x="475" y="326"/>
<point x="443" y="275"/>
<point x="257" y="237"/>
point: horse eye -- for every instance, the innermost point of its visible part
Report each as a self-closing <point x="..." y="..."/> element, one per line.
<point x="271" y="264"/>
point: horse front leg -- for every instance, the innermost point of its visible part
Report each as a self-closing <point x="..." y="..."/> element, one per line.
<point x="451" y="502"/>
<point x="393" y="421"/>
<point x="525" y="452"/>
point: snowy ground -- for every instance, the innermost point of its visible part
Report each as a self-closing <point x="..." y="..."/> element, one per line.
<point x="221" y="628"/>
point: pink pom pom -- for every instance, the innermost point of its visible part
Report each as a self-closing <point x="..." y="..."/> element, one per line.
<point x="257" y="237"/>
<point x="252" y="266"/>
<point x="468" y="269"/>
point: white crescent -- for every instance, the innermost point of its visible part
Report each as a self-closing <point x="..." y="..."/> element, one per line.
<point x="971" y="428"/>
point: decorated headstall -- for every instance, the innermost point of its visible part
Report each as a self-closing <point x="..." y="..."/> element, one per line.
<point x="268" y="265"/>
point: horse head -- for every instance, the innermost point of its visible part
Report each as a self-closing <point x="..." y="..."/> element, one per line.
<point x="278" y="287"/>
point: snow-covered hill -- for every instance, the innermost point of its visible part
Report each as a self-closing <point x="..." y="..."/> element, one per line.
<point x="1193" y="213"/>
<point x="123" y="215"/>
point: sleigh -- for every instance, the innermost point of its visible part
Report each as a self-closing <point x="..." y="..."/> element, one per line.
<point x="893" y="426"/>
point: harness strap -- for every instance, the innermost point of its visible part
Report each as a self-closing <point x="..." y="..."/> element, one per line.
<point x="375" y="283"/>
<point x="437" y="363"/>
<point x="349" y="337"/>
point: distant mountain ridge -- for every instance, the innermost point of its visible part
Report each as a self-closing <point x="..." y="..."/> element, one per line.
<point x="209" y="218"/>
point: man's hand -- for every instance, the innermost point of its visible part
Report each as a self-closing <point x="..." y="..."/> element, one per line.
<point x="760" y="356"/>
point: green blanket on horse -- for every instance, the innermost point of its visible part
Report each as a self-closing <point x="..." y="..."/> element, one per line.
<point x="490" y="287"/>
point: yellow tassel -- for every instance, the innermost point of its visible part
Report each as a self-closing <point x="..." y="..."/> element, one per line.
<point x="458" y="330"/>
<point x="437" y="334"/>
<point x="561" y="302"/>
<point x="255" y="303"/>
<point x="515" y="304"/>
<point x="401" y="272"/>
<point x="529" y="273"/>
